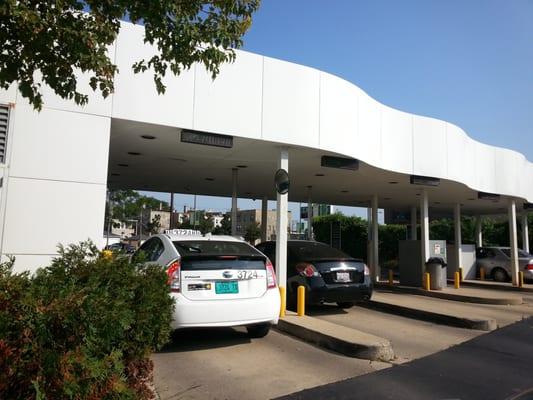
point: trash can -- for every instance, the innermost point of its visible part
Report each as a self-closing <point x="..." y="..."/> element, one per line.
<point x="436" y="267"/>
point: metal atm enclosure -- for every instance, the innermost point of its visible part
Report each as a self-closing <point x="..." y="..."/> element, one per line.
<point x="410" y="260"/>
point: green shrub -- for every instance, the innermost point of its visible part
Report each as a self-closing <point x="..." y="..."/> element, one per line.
<point x="82" y="328"/>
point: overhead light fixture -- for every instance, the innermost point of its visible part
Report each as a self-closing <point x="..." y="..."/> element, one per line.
<point x="242" y="166"/>
<point x="177" y="159"/>
<point x="319" y="174"/>
<point x="344" y="191"/>
<point x="210" y="179"/>
<point x="393" y="183"/>
<point x="123" y="165"/>
<point x="134" y="153"/>
<point x="115" y="174"/>
<point x="471" y="199"/>
<point x="148" y="137"/>
<point x="488" y="196"/>
<point x="206" y="138"/>
<point x="424" y="180"/>
<point x="339" y="162"/>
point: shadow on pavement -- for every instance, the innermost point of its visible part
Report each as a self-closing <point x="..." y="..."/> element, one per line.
<point x="324" y="309"/>
<point x="204" y="338"/>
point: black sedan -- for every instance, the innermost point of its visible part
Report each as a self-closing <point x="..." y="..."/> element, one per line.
<point x="329" y="275"/>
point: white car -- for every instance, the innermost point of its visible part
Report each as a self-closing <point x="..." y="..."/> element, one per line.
<point x="217" y="281"/>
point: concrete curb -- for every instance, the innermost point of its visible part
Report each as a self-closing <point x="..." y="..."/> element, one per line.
<point x="495" y="286"/>
<point x="438" y="318"/>
<point x="451" y="296"/>
<point x="341" y="339"/>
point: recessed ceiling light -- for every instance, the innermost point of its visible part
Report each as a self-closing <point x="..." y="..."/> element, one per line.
<point x="210" y="179"/>
<point x="148" y="137"/>
<point x="393" y="183"/>
<point x="134" y="153"/>
<point x="471" y="199"/>
<point x="417" y="194"/>
<point x="177" y="159"/>
<point x="386" y="198"/>
<point x="344" y="191"/>
<point x="114" y="174"/>
<point x="437" y="202"/>
<point x="123" y="165"/>
<point x="242" y="166"/>
<point x="319" y="174"/>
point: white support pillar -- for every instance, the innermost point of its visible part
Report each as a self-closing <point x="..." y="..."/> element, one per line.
<point x="458" y="239"/>
<point x="234" y="176"/>
<point x="264" y="218"/>
<point x="309" y="213"/>
<point x="413" y="224"/>
<point x="281" y="226"/>
<point x="374" y="269"/>
<point x="525" y="233"/>
<point x="369" y="247"/>
<point x="424" y="228"/>
<point x="513" y="241"/>
<point x="479" y="231"/>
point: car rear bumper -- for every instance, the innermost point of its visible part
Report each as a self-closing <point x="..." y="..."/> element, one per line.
<point x="235" y="312"/>
<point x="339" y="293"/>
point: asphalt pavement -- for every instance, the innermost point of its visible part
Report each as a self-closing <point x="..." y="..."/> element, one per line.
<point x="497" y="365"/>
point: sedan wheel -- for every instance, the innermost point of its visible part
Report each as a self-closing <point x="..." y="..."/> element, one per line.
<point x="258" y="331"/>
<point x="499" y="275"/>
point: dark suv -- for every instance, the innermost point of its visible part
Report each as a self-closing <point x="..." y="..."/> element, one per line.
<point x="329" y="275"/>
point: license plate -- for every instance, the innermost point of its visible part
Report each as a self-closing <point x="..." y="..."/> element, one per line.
<point x="226" y="287"/>
<point x="343" y="277"/>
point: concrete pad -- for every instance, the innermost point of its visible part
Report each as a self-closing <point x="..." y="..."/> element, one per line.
<point x="411" y="307"/>
<point x="507" y="286"/>
<point x="338" y="338"/>
<point x="464" y="294"/>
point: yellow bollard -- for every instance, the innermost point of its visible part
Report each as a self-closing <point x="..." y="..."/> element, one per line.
<point x="457" y="280"/>
<point x="301" y="301"/>
<point x="283" y="303"/>
<point x="520" y="279"/>
<point x="460" y="274"/>
<point x="427" y="280"/>
<point x="482" y="274"/>
<point x="391" y="277"/>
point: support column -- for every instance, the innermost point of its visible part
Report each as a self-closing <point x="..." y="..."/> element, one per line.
<point x="479" y="231"/>
<point x="234" y="172"/>
<point x="375" y="270"/>
<point x="525" y="233"/>
<point x="369" y="246"/>
<point x="309" y="213"/>
<point x="171" y="225"/>
<point x="424" y="228"/>
<point x="413" y="224"/>
<point x="281" y="226"/>
<point x="513" y="241"/>
<point x="264" y="218"/>
<point x="458" y="239"/>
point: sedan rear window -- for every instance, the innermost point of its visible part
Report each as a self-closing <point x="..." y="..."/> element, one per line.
<point x="315" y="250"/>
<point x="213" y="255"/>
<point x="521" y="253"/>
<point x="214" y="248"/>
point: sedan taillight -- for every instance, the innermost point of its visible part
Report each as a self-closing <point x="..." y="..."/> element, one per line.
<point x="271" y="275"/>
<point x="307" y="270"/>
<point x="173" y="273"/>
<point x="529" y="265"/>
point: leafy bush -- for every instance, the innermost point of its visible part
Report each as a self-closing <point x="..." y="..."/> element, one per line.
<point x="82" y="328"/>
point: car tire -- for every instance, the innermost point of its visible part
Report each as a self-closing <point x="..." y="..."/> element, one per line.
<point x="500" y="275"/>
<point x="345" y="304"/>
<point x="258" y="331"/>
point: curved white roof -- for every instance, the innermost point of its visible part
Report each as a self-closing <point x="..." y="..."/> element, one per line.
<point x="271" y="100"/>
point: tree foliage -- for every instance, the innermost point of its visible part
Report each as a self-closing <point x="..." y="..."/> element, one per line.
<point x="55" y="39"/>
<point x="128" y="204"/>
<point x="252" y="232"/>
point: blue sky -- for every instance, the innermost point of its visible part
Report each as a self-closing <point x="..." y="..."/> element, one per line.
<point x="467" y="62"/>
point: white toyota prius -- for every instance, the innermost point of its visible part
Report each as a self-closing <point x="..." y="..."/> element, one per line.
<point x="216" y="281"/>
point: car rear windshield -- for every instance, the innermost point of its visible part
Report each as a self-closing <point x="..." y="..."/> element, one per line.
<point x="212" y="255"/>
<point x="315" y="250"/>
<point x="521" y="253"/>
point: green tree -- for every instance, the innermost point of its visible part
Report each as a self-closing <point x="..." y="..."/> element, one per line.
<point x="206" y="224"/>
<point x="225" y="226"/>
<point x="153" y="226"/>
<point x="47" y="42"/>
<point x="252" y="233"/>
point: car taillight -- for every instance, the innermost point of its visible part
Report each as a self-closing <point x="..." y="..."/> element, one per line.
<point x="307" y="270"/>
<point x="367" y="271"/>
<point x="173" y="273"/>
<point x="529" y="265"/>
<point x="271" y="275"/>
